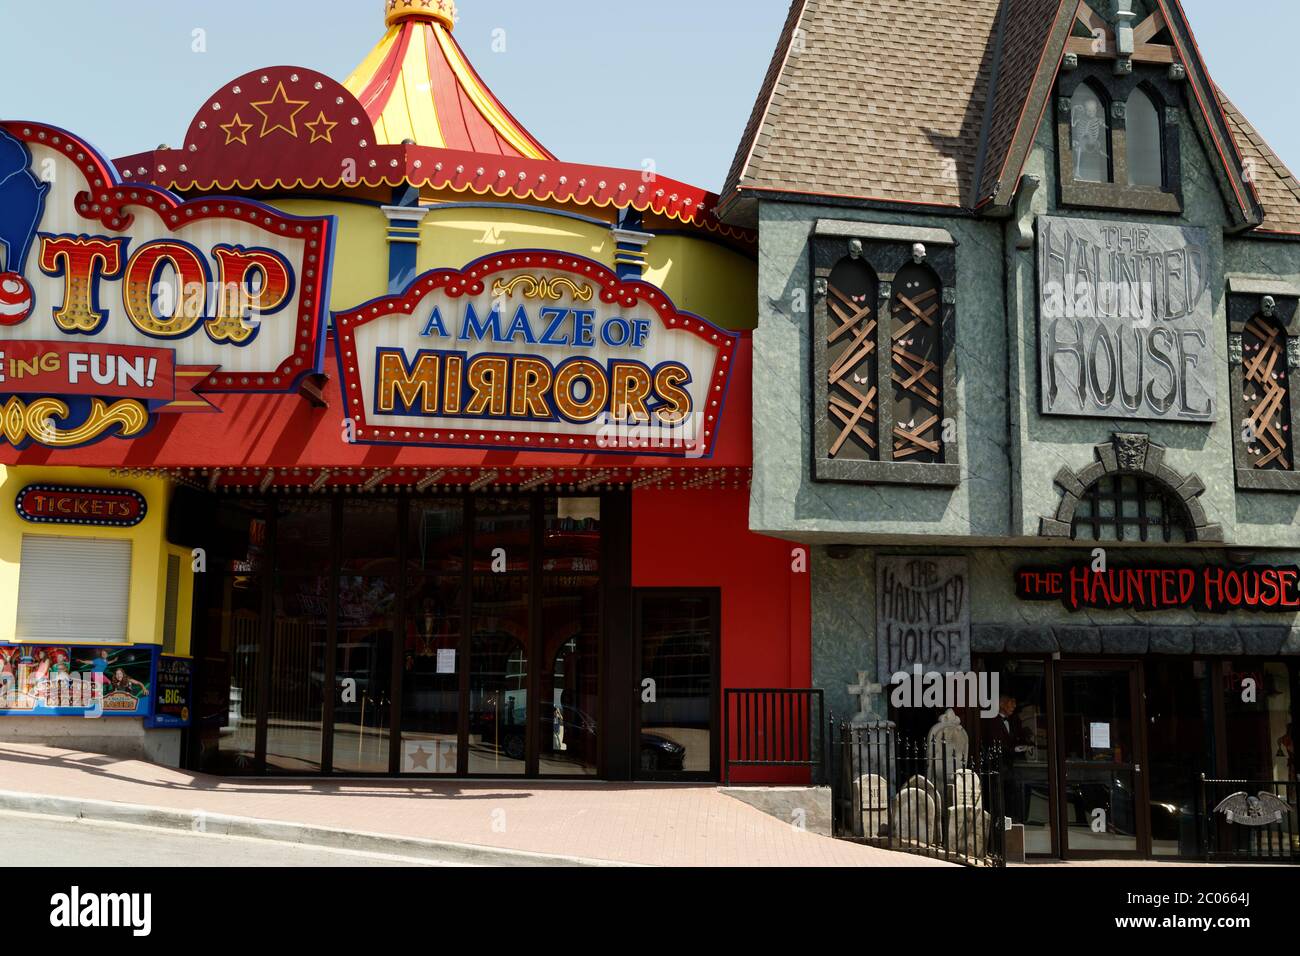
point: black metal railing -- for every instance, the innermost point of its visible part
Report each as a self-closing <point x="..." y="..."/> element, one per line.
<point x="921" y="797"/>
<point x="1251" y="821"/>
<point x="772" y="727"/>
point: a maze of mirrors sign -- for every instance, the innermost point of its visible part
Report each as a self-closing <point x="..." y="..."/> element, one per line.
<point x="922" y="615"/>
<point x="1125" y="320"/>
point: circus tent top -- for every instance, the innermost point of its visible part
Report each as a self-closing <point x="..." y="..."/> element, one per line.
<point x="414" y="114"/>
<point x="418" y="86"/>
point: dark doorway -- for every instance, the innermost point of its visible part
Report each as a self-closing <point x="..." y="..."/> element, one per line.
<point x="677" y="652"/>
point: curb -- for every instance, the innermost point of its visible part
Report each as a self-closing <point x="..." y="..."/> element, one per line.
<point x="217" y="824"/>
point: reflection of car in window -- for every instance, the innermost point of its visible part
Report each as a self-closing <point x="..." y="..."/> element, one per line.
<point x="656" y="753"/>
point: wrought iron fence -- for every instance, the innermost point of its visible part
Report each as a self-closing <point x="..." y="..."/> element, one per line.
<point x="774" y="727"/>
<point x="922" y="797"/>
<point x="1251" y="821"/>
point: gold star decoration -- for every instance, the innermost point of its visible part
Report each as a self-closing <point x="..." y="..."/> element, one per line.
<point x="236" y="131"/>
<point x="284" y="109"/>
<point x="321" y="128"/>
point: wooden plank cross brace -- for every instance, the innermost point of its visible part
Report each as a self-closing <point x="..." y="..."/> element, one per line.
<point x="850" y="315"/>
<point x="1265" y="415"/>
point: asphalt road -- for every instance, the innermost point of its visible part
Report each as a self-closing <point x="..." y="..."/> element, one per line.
<point x="35" y="840"/>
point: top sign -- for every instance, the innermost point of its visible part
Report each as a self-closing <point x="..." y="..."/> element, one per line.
<point x="534" y="350"/>
<point x="131" y="299"/>
<point x="1126" y="320"/>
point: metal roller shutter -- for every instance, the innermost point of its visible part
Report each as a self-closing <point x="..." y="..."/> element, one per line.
<point x="73" y="590"/>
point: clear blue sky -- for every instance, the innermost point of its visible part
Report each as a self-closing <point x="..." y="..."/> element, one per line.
<point x="611" y="82"/>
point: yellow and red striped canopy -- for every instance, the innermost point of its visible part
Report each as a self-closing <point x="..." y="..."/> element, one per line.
<point x="417" y="85"/>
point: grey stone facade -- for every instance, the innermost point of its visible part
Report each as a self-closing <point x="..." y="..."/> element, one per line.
<point x="1021" y="470"/>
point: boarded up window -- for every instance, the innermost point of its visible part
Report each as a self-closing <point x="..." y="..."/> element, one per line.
<point x="916" y="343"/>
<point x="1266" y="432"/>
<point x="851" y="346"/>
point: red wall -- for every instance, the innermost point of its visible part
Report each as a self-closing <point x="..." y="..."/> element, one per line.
<point x="701" y="538"/>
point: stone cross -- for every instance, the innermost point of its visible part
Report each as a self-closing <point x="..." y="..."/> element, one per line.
<point x="866" y="693"/>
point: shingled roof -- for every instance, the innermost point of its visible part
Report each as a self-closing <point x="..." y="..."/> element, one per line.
<point x="933" y="103"/>
<point x="872" y="99"/>
<point x="1275" y="185"/>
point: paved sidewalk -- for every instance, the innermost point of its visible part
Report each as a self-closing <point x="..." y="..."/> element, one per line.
<point x="652" y="824"/>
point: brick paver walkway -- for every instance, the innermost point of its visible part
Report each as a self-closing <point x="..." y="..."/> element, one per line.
<point x="634" y="823"/>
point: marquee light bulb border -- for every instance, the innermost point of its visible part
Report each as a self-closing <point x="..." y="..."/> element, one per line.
<point x="110" y="202"/>
<point x="474" y="280"/>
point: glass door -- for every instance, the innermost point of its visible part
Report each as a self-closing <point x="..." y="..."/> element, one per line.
<point x="677" y="650"/>
<point x="1101" y="776"/>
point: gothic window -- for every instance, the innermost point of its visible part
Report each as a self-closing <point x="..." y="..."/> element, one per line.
<point x="916" y="368"/>
<point x="1263" y="352"/>
<point x="851" y="339"/>
<point x="1144" y="141"/>
<point x="1117" y="141"/>
<point x="1089" y="136"/>
<point x="1266" y="428"/>
<point x="1119" y="507"/>
<point x="883" y="397"/>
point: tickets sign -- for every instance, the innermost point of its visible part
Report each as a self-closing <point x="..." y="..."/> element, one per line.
<point x="119" y="302"/>
<point x="105" y="507"/>
<point x="534" y="350"/>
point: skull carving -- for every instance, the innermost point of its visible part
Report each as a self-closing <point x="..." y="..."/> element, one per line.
<point x="919" y="253"/>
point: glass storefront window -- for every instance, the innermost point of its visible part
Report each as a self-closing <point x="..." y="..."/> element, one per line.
<point x="1257" y="710"/>
<point x="571" y="542"/>
<point x="570" y="675"/>
<point x="1020" y="732"/>
<point x="296" y="693"/>
<point x="1097" y="747"/>
<point x="227" y="694"/>
<point x="495" y="646"/>
<point x="363" y="665"/>
<point x="503" y="534"/>
<point x="369" y="545"/>
<point x="435" y="541"/>
<point x="677" y="637"/>
<point x="431" y="675"/>
<point x="1180" y="747"/>
<point x="302" y="536"/>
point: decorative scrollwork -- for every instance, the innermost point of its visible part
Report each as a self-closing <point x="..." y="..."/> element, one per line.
<point x="21" y="420"/>
<point x="550" y="288"/>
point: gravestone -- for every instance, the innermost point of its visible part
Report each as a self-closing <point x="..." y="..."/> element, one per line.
<point x="918" y="782"/>
<point x="866" y="692"/>
<point x="873" y="791"/>
<point x="965" y="790"/>
<point x="947" y="745"/>
<point x="914" y="816"/>
<point x="873" y="739"/>
<point x="968" y="830"/>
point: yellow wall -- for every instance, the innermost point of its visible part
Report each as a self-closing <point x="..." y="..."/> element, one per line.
<point x="149" y="549"/>
<point x="700" y="276"/>
<point x="705" y="278"/>
<point x="360" y="248"/>
<point x="454" y="237"/>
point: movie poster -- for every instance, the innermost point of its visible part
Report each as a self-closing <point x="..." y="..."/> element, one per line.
<point x="67" y="680"/>
<point x="173" y="692"/>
